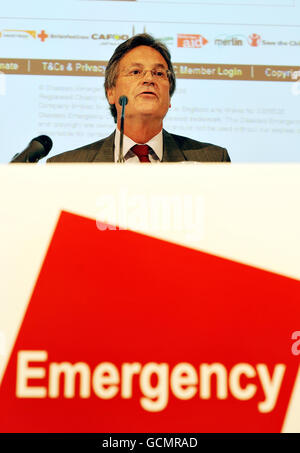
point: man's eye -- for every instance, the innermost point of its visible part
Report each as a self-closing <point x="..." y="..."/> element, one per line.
<point x="135" y="71"/>
<point x="159" y="73"/>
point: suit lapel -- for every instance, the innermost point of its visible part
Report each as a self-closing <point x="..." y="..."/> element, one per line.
<point x="106" y="151"/>
<point x="171" y="151"/>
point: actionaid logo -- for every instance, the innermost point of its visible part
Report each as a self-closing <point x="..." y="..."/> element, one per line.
<point x="151" y="383"/>
<point x="191" y="41"/>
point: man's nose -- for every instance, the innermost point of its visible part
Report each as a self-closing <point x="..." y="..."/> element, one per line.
<point x="148" y="76"/>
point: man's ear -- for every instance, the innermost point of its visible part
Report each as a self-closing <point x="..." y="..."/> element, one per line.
<point x="111" y="95"/>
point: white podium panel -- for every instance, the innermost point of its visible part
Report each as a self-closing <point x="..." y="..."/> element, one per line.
<point x="234" y="227"/>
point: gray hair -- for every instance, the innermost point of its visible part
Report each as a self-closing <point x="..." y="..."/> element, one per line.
<point x="112" y="68"/>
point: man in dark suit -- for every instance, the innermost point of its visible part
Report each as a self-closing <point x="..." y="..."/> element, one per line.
<point x="141" y="69"/>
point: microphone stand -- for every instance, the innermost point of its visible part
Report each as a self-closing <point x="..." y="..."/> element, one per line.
<point x="123" y="100"/>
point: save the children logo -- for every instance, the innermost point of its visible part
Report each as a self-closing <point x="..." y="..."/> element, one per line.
<point x="254" y="40"/>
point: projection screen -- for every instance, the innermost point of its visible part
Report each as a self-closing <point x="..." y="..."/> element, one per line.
<point x="237" y="64"/>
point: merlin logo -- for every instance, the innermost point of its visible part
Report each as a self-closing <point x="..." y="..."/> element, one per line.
<point x="229" y="41"/>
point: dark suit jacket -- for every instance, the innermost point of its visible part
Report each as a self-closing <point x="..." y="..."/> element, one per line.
<point x="175" y="149"/>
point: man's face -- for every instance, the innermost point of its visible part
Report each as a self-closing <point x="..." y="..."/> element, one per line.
<point x="148" y="97"/>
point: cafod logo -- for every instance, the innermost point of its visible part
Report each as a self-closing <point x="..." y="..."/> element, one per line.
<point x="109" y="38"/>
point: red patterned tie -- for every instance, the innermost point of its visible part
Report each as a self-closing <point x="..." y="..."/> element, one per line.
<point x="142" y="152"/>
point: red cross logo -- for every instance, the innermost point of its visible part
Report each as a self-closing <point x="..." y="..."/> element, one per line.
<point x="43" y="35"/>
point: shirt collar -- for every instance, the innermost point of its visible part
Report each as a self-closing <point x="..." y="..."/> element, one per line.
<point x="156" y="143"/>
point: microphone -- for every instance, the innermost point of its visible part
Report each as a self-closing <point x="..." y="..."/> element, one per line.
<point x="123" y="100"/>
<point x="38" y="148"/>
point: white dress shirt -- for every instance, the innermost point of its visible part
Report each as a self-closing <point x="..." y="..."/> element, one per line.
<point x="155" y="153"/>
